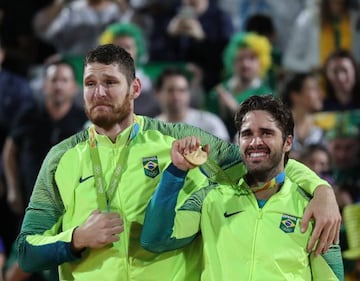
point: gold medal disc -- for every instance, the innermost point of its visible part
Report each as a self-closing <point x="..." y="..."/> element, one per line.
<point x="197" y="157"/>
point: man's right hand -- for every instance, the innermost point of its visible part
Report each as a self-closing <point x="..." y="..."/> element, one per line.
<point x="182" y="147"/>
<point x="99" y="230"/>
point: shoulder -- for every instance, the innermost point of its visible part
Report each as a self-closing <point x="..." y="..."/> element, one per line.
<point x="175" y="130"/>
<point x="297" y="191"/>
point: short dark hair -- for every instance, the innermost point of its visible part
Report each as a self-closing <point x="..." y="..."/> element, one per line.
<point x="112" y="54"/>
<point x="274" y="106"/>
<point x="261" y="24"/>
<point x="310" y="149"/>
<point x="168" y="72"/>
<point x="294" y="83"/>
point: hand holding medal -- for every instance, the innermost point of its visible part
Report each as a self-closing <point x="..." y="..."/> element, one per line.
<point x="197" y="157"/>
<point x="187" y="153"/>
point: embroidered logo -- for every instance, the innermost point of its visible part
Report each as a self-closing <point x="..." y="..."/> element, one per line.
<point x="226" y="214"/>
<point x="81" y="180"/>
<point x="151" y="166"/>
<point x="288" y="223"/>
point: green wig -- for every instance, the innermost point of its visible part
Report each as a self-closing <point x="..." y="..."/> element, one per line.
<point x="258" y="43"/>
<point x="126" y="29"/>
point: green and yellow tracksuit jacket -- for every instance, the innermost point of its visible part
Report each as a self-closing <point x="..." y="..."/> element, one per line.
<point x="64" y="196"/>
<point x="241" y="241"/>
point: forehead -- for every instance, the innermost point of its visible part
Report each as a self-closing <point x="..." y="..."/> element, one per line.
<point x="124" y="39"/>
<point x="63" y="69"/>
<point x="175" y="80"/>
<point x="245" y="52"/>
<point x="340" y="62"/>
<point x="258" y="119"/>
<point x="101" y="70"/>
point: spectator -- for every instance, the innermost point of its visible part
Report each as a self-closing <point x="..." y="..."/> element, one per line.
<point x="282" y="12"/>
<point x="38" y="127"/>
<point x="342" y="82"/>
<point x="173" y="93"/>
<point x="302" y="95"/>
<point x="317" y="157"/>
<point x="74" y="27"/>
<point x="318" y="31"/>
<point x="263" y="25"/>
<point x="197" y="31"/>
<point x="247" y="59"/>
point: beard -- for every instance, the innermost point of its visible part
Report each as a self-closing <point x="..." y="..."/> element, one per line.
<point x="107" y="119"/>
<point x="266" y="169"/>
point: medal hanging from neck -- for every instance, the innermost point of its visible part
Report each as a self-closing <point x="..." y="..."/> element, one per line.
<point x="105" y="195"/>
<point x="275" y="182"/>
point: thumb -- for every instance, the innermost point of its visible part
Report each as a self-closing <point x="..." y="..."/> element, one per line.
<point x="305" y="220"/>
<point x="206" y="148"/>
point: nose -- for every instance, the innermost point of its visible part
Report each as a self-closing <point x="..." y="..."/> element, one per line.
<point x="256" y="140"/>
<point x="100" y="91"/>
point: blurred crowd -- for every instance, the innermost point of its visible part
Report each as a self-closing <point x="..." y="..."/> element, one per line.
<point x="197" y="60"/>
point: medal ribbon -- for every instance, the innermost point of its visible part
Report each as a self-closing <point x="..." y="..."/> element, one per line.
<point x="215" y="173"/>
<point x="275" y="182"/>
<point x="105" y="195"/>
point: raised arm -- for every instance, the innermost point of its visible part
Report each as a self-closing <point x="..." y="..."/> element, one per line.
<point x="162" y="222"/>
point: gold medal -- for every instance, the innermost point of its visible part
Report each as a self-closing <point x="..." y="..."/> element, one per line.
<point x="197" y="157"/>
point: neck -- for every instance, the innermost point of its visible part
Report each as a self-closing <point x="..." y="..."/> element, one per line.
<point x="265" y="187"/>
<point x="243" y="84"/>
<point x="116" y="129"/>
<point x="343" y="97"/>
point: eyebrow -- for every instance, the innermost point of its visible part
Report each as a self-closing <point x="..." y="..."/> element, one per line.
<point x="261" y="129"/>
<point x="103" y="75"/>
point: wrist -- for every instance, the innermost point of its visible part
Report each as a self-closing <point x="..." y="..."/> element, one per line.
<point x="77" y="247"/>
<point x="176" y="171"/>
<point x="322" y="190"/>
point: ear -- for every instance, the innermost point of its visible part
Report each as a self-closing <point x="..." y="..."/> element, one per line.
<point x="135" y="88"/>
<point x="288" y="143"/>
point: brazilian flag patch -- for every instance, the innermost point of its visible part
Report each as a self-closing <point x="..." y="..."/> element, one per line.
<point x="151" y="166"/>
<point x="288" y="223"/>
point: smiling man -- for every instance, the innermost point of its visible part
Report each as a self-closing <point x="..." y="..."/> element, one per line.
<point x="259" y="216"/>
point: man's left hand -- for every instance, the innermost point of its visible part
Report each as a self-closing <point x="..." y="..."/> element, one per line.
<point x="324" y="209"/>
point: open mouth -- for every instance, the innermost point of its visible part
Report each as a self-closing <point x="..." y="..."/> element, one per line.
<point x="258" y="154"/>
